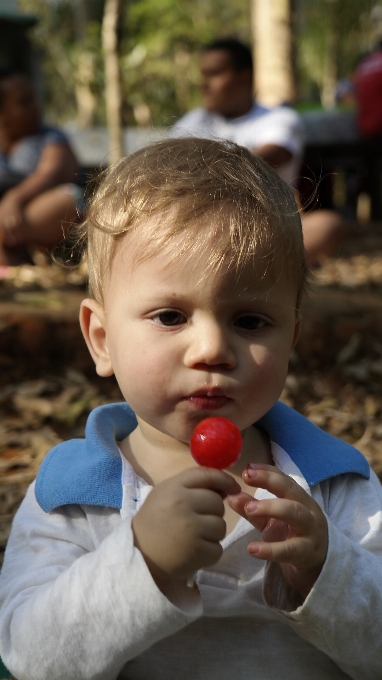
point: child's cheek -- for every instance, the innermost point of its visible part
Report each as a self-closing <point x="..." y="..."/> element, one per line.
<point x="142" y="376"/>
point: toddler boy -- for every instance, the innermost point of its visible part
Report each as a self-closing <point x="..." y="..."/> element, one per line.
<point x="127" y="560"/>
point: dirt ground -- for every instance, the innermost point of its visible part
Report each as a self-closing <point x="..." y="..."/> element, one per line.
<point x="48" y="384"/>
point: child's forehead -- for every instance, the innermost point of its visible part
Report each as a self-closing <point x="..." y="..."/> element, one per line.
<point x="165" y="235"/>
<point x="195" y="246"/>
<point x="203" y="260"/>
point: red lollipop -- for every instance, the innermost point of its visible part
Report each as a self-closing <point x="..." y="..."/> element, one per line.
<point x="216" y="443"/>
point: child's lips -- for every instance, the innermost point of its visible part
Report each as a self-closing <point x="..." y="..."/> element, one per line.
<point x="205" y="400"/>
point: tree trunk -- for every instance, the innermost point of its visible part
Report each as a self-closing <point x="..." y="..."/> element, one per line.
<point x="330" y="76"/>
<point x="274" y="51"/>
<point x="182" y="84"/>
<point x="112" y="79"/>
<point x="86" y="101"/>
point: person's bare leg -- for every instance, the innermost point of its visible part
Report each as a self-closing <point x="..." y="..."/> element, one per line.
<point x="12" y="257"/>
<point x="3" y="257"/>
<point x="323" y="231"/>
<point x="47" y="218"/>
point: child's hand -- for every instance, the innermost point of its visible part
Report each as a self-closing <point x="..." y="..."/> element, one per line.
<point x="179" y="526"/>
<point x="293" y="526"/>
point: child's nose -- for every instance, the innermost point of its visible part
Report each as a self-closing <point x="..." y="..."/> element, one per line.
<point x="210" y="346"/>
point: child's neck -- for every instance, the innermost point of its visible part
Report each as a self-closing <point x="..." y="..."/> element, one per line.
<point x="156" y="460"/>
<point x="155" y="463"/>
<point x="153" y="456"/>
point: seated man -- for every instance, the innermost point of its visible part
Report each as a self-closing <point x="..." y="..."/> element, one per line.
<point x="38" y="194"/>
<point x="276" y="135"/>
<point x="229" y="112"/>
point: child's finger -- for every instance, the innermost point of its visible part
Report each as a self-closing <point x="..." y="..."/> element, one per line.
<point x="270" y="518"/>
<point x="238" y="504"/>
<point x="291" y="512"/>
<point x="239" y="501"/>
<point x="213" y="528"/>
<point x="203" y="502"/>
<point x="275" y="530"/>
<point x="292" y="551"/>
<point x="276" y="482"/>
<point x="209" y="478"/>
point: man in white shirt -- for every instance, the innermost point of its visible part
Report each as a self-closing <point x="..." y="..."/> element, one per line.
<point x="276" y="135"/>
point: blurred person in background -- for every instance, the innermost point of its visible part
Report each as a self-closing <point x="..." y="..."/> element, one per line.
<point x="276" y="135"/>
<point x="38" y="194"/>
<point x="367" y="81"/>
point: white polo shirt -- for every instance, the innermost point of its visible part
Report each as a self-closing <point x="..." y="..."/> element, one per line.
<point x="281" y="126"/>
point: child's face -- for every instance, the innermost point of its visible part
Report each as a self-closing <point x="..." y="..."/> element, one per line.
<point x="185" y="345"/>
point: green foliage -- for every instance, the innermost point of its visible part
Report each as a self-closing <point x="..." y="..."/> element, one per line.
<point x="160" y="44"/>
<point x="54" y="39"/>
<point x="337" y="30"/>
<point x="161" y="49"/>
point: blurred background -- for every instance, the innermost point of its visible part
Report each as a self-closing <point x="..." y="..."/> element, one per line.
<point x="59" y="43"/>
<point x="305" y="53"/>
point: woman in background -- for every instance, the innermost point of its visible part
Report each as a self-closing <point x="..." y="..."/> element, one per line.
<point x="38" y="170"/>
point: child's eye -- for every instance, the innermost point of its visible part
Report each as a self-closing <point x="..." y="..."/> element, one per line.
<point x="170" y="317"/>
<point x="250" y="322"/>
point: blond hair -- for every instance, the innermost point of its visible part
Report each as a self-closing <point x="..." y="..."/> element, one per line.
<point x="196" y="188"/>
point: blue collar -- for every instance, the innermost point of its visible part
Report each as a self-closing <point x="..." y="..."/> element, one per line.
<point x="89" y="471"/>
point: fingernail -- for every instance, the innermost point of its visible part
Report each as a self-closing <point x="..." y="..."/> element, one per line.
<point x="253" y="549"/>
<point x="251" y="507"/>
<point x="250" y="471"/>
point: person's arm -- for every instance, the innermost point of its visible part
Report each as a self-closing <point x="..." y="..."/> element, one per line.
<point x="277" y="137"/>
<point x="273" y="154"/>
<point x="57" y="165"/>
<point x="82" y="594"/>
<point x="342" y="613"/>
<point x="79" y="601"/>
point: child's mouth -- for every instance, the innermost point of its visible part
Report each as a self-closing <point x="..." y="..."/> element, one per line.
<point x="207" y="400"/>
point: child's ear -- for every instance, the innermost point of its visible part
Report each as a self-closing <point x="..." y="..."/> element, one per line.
<point x="92" y="322"/>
